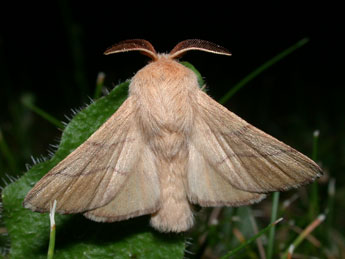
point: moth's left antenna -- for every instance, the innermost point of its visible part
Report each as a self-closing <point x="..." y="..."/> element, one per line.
<point x="143" y="46"/>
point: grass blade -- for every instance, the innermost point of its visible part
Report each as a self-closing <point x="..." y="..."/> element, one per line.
<point x="252" y="239"/>
<point x="27" y="101"/>
<point x="258" y="241"/>
<point x="262" y="68"/>
<point x="272" y="229"/>
<point x="288" y="253"/>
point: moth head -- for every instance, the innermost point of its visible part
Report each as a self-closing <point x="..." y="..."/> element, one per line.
<point x="180" y="49"/>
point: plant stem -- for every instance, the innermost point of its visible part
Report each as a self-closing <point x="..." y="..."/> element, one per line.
<point x="272" y="230"/>
<point x="314" y="199"/>
<point x="51" y="247"/>
<point x="262" y="68"/>
<point x="99" y="85"/>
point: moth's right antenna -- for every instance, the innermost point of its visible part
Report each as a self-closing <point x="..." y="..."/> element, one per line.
<point x="196" y="44"/>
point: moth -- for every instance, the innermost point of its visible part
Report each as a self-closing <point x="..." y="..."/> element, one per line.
<point x="167" y="147"/>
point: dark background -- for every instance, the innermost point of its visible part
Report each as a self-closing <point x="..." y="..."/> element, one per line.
<point x="52" y="53"/>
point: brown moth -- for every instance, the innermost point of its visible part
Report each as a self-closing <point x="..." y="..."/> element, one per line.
<point x="167" y="147"/>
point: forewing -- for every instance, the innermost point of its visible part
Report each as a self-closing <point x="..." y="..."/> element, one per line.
<point x="249" y="159"/>
<point x="92" y="174"/>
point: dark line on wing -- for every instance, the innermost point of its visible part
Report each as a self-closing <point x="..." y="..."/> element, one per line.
<point x="105" y="145"/>
<point x="92" y="171"/>
<point x="268" y="158"/>
<point x="264" y="155"/>
<point x="223" y="142"/>
<point x="237" y="133"/>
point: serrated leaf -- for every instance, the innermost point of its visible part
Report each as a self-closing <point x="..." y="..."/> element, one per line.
<point x="76" y="236"/>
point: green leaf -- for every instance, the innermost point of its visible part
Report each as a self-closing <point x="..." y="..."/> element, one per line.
<point x="76" y="236"/>
<point x="201" y="81"/>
